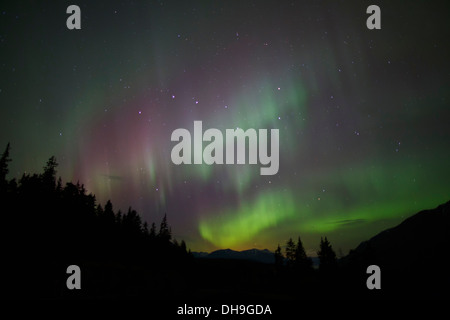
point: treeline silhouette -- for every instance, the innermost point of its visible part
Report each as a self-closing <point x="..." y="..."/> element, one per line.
<point x="48" y="226"/>
<point x="295" y="275"/>
<point x="297" y="260"/>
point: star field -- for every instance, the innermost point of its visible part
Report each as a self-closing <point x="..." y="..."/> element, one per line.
<point x="362" y="114"/>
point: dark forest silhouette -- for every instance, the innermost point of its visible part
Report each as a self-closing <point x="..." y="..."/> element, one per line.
<point x="47" y="227"/>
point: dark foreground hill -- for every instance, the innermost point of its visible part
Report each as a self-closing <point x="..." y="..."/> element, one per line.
<point x="414" y="256"/>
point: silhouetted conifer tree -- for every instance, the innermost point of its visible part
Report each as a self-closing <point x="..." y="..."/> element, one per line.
<point x="108" y="215"/>
<point x="327" y="256"/>
<point x="4" y="160"/>
<point x="132" y="223"/>
<point x="49" y="175"/>
<point x="290" y="252"/>
<point x="119" y="217"/>
<point x="278" y="257"/>
<point x="165" y="233"/>
<point x="145" y="229"/>
<point x="302" y="262"/>
<point x="153" y="231"/>
<point x="100" y="210"/>
<point x="183" y="247"/>
<point x="59" y="186"/>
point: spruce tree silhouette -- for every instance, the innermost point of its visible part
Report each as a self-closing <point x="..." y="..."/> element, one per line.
<point x="145" y="229"/>
<point x="278" y="256"/>
<point x="153" y="231"/>
<point x="302" y="262"/>
<point x="183" y="247"/>
<point x="165" y="234"/>
<point x="49" y="175"/>
<point x="108" y="214"/>
<point x="132" y="223"/>
<point x="4" y="160"/>
<point x="119" y="217"/>
<point x="7" y="189"/>
<point x="327" y="257"/>
<point x="290" y="252"/>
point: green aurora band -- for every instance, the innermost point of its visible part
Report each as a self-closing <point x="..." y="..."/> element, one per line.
<point x="362" y="115"/>
<point x="358" y="195"/>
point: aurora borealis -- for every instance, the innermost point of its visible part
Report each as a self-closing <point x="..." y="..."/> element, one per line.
<point x="363" y="115"/>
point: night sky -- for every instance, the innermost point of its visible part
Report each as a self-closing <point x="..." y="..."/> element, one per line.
<point x="363" y="115"/>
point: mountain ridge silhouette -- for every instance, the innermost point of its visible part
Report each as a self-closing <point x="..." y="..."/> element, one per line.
<point x="419" y="237"/>
<point x="413" y="243"/>
<point x="264" y="255"/>
<point x="412" y="256"/>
